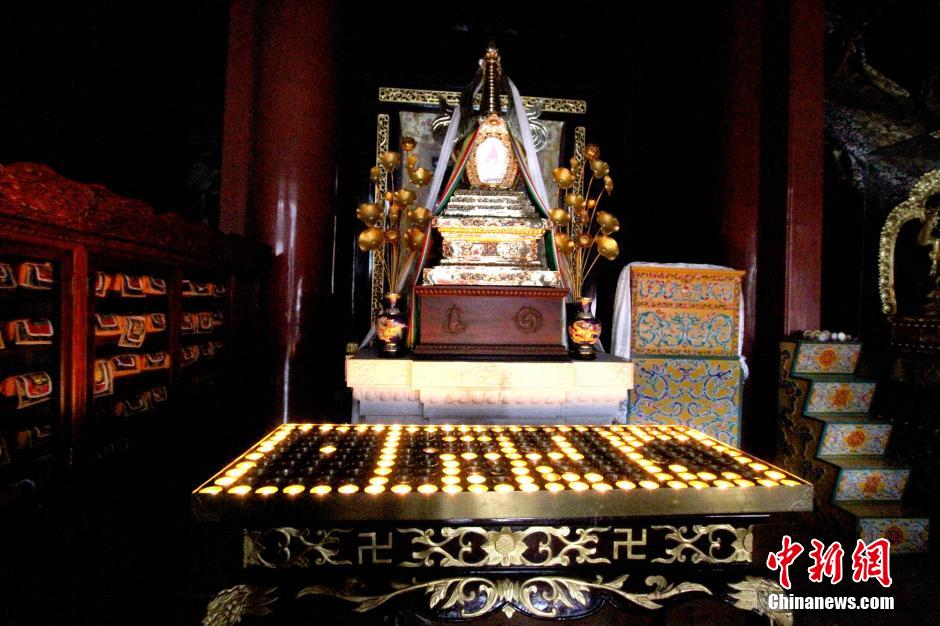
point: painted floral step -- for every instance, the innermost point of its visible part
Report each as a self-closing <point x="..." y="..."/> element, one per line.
<point x="839" y="395"/>
<point x="853" y="436"/>
<point x="907" y="529"/>
<point x="818" y="357"/>
<point x="868" y="478"/>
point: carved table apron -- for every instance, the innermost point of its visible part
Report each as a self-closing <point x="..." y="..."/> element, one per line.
<point x="563" y="554"/>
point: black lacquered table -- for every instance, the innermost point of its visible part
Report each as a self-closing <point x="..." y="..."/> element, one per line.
<point x="455" y="522"/>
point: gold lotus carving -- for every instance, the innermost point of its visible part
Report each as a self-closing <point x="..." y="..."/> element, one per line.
<point x="504" y="547"/>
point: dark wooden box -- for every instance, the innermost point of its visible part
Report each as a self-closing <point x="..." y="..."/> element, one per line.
<point x="469" y="321"/>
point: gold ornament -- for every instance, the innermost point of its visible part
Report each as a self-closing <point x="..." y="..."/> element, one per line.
<point x="585" y="240"/>
<point x="411" y="162"/>
<point x="574" y="200"/>
<point x="414" y="238"/>
<point x="609" y="223"/>
<point x="607" y="247"/>
<point x="574" y="162"/>
<point x="371" y="239"/>
<point x="608" y="184"/>
<point x="408" y="143"/>
<point x="376" y="174"/>
<point x="560" y="217"/>
<point x="420" y="176"/>
<point x="563" y="177"/>
<point x="600" y="168"/>
<point x="394" y="212"/>
<point x="405" y="197"/>
<point x="420" y="216"/>
<point x="592" y="151"/>
<point x="591" y="203"/>
<point x="391" y="236"/>
<point x="583" y="215"/>
<point x="389" y="160"/>
<point x="563" y="243"/>
<point x="369" y="213"/>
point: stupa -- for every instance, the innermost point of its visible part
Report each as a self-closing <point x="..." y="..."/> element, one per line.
<point x="493" y="292"/>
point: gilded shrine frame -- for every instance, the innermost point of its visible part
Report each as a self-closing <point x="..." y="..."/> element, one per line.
<point x="427" y="99"/>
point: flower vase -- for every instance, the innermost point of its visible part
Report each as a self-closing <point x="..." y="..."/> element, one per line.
<point x="391" y="327"/>
<point x="583" y="331"/>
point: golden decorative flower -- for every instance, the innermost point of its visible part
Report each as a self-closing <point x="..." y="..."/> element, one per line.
<point x="420" y="176"/>
<point x="369" y="213"/>
<point x="585" y="240"/>
<point x="563" y="177"/>
<point x="371" y="239"/>
<point x="376" y="174"/>
<point x="408" y="144"/>
<point x="504" y="547"/>
<point x="592" y="151"/>
<point x="420" y="216"/>
<point x="608" y="184"/>
<point x="411" y="162"/>
<point x="609" y="223"/>
<point x="389" y="160"/>
<point x="574" y="200"/>
<point x="563" y="243"/>
<point x="560" y="216"/>
<point x="394" y="212"/>
<point x="600" y="168"/>
<point x="607" y="247"/>
<point x="391" y="236"/>
<point x="405" y="197"/>
<point x="414" y="238"/>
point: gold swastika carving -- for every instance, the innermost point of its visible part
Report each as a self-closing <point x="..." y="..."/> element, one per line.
<point x="629" y="544"/>
<point x="374" y="548"/>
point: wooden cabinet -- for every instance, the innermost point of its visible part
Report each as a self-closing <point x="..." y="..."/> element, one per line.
<point x="124" y="360"/>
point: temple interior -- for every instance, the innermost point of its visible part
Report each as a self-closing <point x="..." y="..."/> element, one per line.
<point x="422" y="314"/>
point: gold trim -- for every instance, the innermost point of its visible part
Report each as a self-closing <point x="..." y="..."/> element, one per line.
<point x="538" y="596"/>
<point x="432" y="97"/>
<point x="230" y="605"/>
<point x="580" y="138"/>
<point x="378" y="256"/>
<point x="752" y="595"/>
<point x="507" y="233"/>
<point x="914" y="208"/>
<point x="503" y="547"/>
<point x="742" y="545"/>
<point x="493" y="127"/>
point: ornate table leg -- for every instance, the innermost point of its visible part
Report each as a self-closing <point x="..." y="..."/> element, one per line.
<point x="230" y="605"/>
<point x="752" y="594"/>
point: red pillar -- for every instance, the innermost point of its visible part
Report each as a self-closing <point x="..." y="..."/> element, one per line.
<point x="739" y="191"/>
<point x="805" y="167"/>
<point x="280" y="155"/>
<point x="237" y="137"/>
<point x="770" y="193"/>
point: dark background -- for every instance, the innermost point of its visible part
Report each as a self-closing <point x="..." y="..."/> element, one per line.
<point x="133" y="99"/>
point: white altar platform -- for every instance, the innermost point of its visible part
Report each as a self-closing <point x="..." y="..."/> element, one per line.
<point x="486" y="392"/>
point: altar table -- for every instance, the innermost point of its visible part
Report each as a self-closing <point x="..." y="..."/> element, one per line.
<point x="395" y="522"/>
